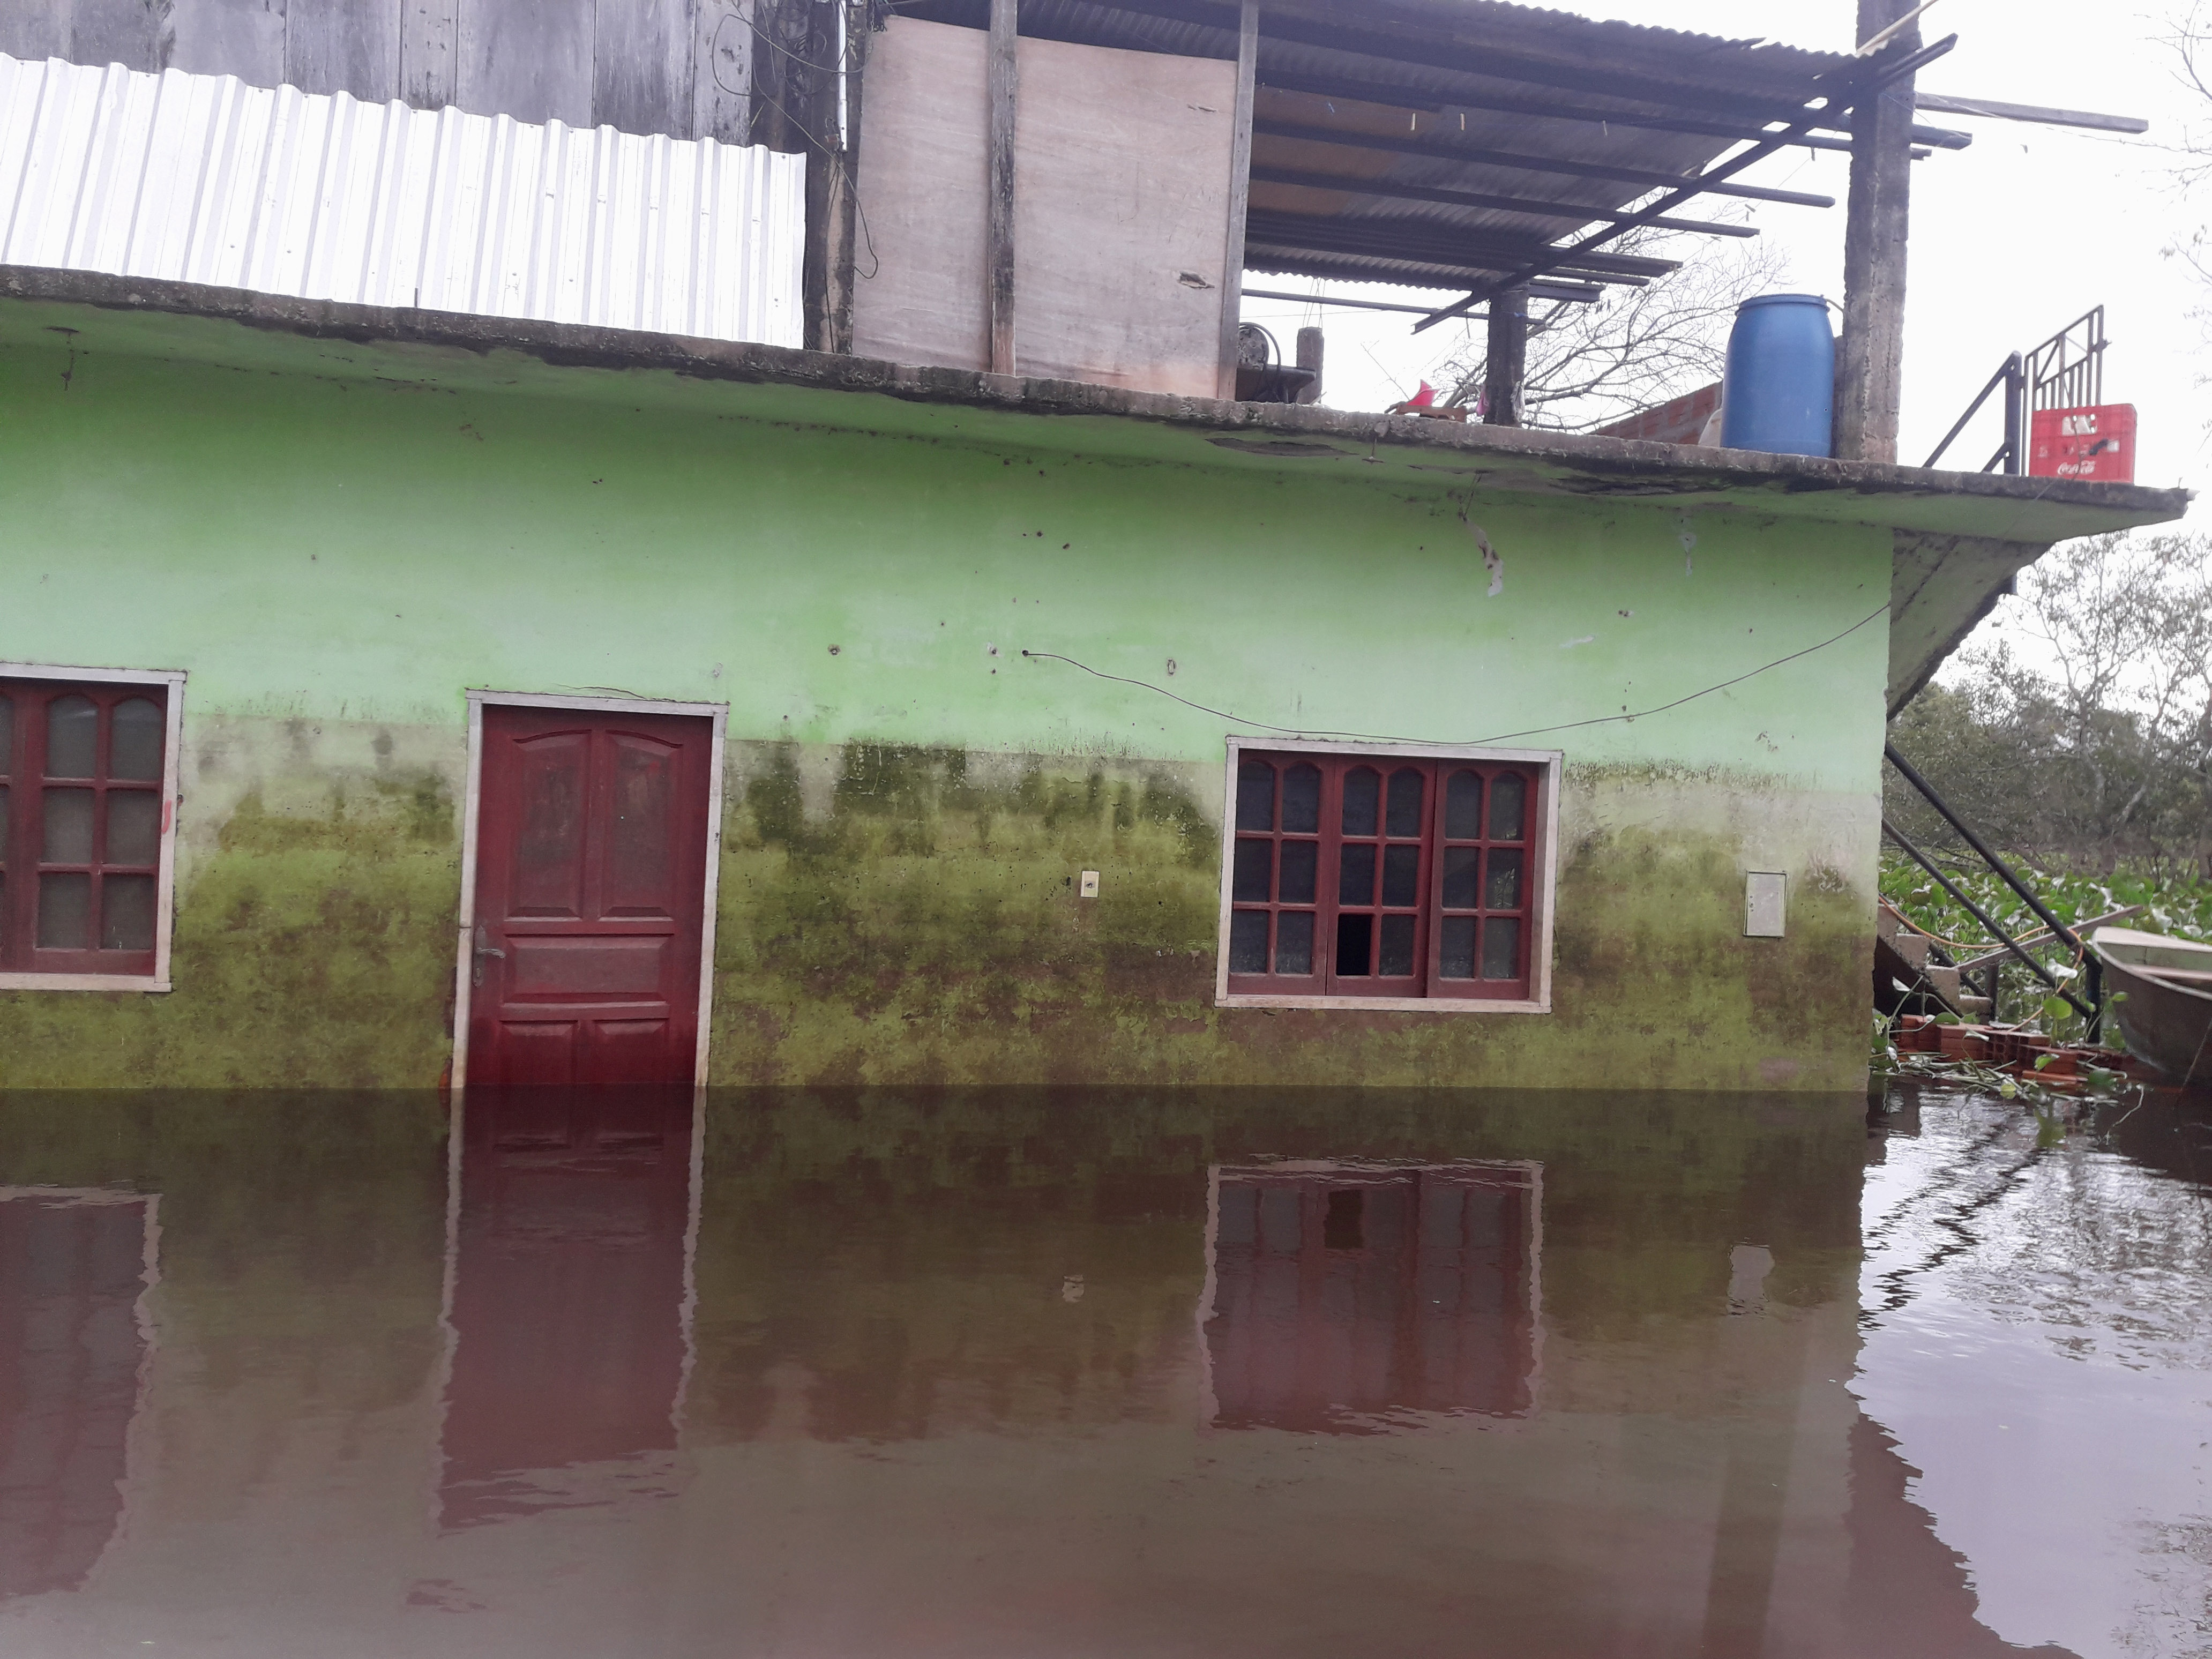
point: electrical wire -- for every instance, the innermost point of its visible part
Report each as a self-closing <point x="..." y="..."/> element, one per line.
<point x="1502" y="736"/>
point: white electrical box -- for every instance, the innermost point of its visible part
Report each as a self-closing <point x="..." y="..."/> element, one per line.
<point x="1762" y="904"/>
<point x="1089" y="887"/>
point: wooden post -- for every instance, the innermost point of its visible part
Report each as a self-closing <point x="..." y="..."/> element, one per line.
<point x="1239" y="193"/>
<point x="1871" y="356"/>
<point x="1508" y="358"/>
<point x="998" y="260"/>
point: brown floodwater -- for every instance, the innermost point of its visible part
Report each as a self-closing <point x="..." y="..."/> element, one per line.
<point x="1090" y="1375"/>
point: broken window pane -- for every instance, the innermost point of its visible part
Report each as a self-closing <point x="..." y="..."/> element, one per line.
<point x="1503" y="892"/>
<point x="1302" y="801"/>
<point x="126" y="912"/>
<point x="1401" y="875"/>
<point x="1294" y="942"/>
<point x="1463" y="866"/>
<point x="68" y="827"/>
<point x="1248" y="942"/>
<point x="64" y="913"/>
<point x="1508" y="797"/>
<point x="72" y="731"/>
<point x="1255" y="795"/>
<point x="1299" y="859"/>
<point x="1355" y="880"/>
<point x="1501" y="948"/>
<point x="1354" y="942"/>
<point x="1362" y="793"/>
<point x="1397" y="947"/>
<point x="1463" y="806"/>
<point x="1455" y="960"/>
<point x="1255" y="870"/>
<point x="134" y="740"/>
<point x="134" y="826"/>
<point x="1405" y="802"/>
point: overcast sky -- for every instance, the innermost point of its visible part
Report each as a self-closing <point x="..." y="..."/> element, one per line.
<point x="2012" y="238"/>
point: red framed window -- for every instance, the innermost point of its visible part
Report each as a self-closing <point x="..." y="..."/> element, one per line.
<point x="82" y="811"/>
<point x="1373" y="875"/>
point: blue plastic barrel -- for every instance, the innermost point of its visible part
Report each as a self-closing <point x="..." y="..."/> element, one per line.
<point x="1781" y="384"/>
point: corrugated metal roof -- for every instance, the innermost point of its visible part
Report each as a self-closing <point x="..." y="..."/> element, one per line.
<point x="1482" y="76"/>
<point x="202" y="178"/>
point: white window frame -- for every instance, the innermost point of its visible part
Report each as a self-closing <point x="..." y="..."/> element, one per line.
<point x="464" y="954"/>
<point x="165" y="877"/>
<point x="1549" y="764"/>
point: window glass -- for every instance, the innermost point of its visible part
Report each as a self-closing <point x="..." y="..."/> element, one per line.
<point x="1501" y="947"/>
<point x="1463" y="807"/>
<point x="136" y="737"/>
<point x="126" y="912"/>
<point x="1509" y="794"/>
<point x="69" y="827"/>
<point x="1362" y="792"/>
<point x="1405" y="802"/>
<point x="1248" y="942"/>
<point x="134" y="826"/>
<point x="1255" y="796"/>
<point x="65" y="912"/>
<point x="72" y="736"/>
<point x="1299" y="860"/>
<point x="1294" y="942"/>
<point x="1302" y="801"/>
<point x="1255" y="869"/>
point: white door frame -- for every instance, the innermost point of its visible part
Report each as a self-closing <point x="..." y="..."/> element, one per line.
<point x="464" y="959"/>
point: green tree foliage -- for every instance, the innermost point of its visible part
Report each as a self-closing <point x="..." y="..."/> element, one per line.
<point x="2081" y="739"/>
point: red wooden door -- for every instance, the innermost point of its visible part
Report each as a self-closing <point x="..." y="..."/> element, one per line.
<point x="590" y="883"/>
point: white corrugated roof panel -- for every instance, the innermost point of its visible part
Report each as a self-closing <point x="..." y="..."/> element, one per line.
<point x="203" y="179"/>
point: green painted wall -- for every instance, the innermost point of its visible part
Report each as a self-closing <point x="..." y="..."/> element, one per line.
<point x="334" y="558"/>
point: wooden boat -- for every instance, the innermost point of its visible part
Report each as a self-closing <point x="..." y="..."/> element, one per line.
<point x="2168" y="1016"/>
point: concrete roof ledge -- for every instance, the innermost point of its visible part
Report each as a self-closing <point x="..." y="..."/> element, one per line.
<point x="2035" y="511"/>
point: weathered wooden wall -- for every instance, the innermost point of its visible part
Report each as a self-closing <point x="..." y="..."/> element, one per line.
<point x="1121" y="185"/>
<point x="679" y="67"/>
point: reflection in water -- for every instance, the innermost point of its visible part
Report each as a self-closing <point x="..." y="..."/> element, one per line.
<point x="1078" y="1375"/>
<point x="73" y="1268"/>
<point x="569" y="1302"/>
<point x="1346" y="1295"/>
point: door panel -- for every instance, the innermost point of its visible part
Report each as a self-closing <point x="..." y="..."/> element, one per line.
<point x="591" y="872"/>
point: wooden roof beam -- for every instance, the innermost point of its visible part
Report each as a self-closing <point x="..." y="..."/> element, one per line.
<point x="1437" y="101"/>
<point x="1414" y="243"/>
<point x="1878" y="73"/>
<point x="2036" y="112"/>
<point x="1513" y="160"/>
<point x="1390" y="190"/>
<point x="1350" y="268"/>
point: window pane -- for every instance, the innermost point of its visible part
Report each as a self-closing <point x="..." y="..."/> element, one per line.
<point x="1363" y="794"/>
<point x="1299" y="858"/>
<point x="7" y="735"/>
<point x="134" y="740"/>
<point x="72" y="729"/>
<point x="1463" y="806"/>
<point x="1503" y="892"/>
<point x="1248" y="942"/>
<point x="126" y="912"/>
<point x="1397" y="947"/>
<point x="1355" y="879"/>
<point x="1401" y="875"/>
<point x="1255" y="865"/>
<point x="1405" y="802"/>
<point x="69" y="827"/>
<point x="1509" y="797"/>
<point x="1294" y="942"/>
<point x="1501" y="948"/>
<point x="1456" y="959"/>
<point x="134" y="825"/>
<point x="65" y="906"/>
<point x="1463" y="868"/>
<point x="1255" y="795"/>
<point x="1354" y="938"/>
<point x="1302" y="801"/>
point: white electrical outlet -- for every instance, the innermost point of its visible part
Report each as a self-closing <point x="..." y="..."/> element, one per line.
<point x="1089" y="887"/>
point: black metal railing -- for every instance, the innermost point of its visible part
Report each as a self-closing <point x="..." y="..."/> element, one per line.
<point x="2090" y="1005"/>
<point x="2067" y="371"/>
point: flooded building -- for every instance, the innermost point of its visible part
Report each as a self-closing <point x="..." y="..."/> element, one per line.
<point x="645" y="558"/>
